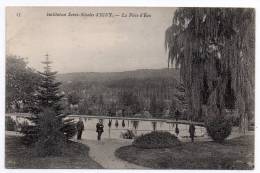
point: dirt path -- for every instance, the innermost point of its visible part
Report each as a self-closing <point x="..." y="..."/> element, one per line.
<point x="103" y="153"/>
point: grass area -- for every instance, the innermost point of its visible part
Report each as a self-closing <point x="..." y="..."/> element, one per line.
<point x="75" y="156"/>
<point x="232" y="154"/>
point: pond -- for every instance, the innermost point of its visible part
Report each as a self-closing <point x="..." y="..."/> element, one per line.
<point x="142" y="127"/>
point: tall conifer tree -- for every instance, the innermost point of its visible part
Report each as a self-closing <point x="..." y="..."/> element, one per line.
<point x="48" y="97"/>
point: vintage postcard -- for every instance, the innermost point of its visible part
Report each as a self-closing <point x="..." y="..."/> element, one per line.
<point x="130" y="88"/>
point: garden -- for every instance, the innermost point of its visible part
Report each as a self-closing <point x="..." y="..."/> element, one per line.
<point x="158" y="152"/>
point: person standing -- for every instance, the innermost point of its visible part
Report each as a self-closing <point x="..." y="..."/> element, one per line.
<point x="177" y="130"/>
<point x="192" y="132"/>
<point x="177" y="115"/>
<point x="80" y="128"/>
<point x="100" y="129"/>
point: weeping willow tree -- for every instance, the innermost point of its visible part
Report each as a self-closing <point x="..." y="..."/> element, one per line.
<point x="214" y="49"/>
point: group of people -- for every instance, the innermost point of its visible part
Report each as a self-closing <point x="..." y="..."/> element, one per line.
<point x="100" y="129"/>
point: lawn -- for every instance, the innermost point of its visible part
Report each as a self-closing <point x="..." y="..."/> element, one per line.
<point x="232" y="154"/>
<point x="75" y="156"/>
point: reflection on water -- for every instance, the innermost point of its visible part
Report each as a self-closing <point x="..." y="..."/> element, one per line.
<point x="140" y="127"/>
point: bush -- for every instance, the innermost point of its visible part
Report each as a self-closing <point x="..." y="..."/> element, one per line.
<point x="219" y="127"/>
<point x="235" y="121"/>
<point x="23" y="126"/>
<point x="156" y="139"/>
<point x="10" y="124"/>
<point x="69" y="128"/>
<point x="26" y="128"/>
<point x="128" y="134"/>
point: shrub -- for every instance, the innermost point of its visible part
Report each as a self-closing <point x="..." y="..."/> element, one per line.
<point x="26" y="128"/>
<point x="10" y="124"/>
<point x="235" y="121"/>
<point x="69" y="128"/>
<point x="156" y="139"/>
<point x="219" y="127"/>
<point x="128" y="134"/>
<point x="22" y="126"/>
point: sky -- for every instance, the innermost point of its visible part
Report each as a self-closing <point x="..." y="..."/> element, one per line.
<point x="89" y="43"/>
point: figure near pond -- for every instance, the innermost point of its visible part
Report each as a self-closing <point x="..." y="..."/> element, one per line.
<point x="80" y="128"/>
<point x="99" y="129"/>
<point x="192" y="132"/>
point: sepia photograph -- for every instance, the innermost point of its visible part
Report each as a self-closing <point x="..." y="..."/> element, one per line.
<point x="129" y="88"/>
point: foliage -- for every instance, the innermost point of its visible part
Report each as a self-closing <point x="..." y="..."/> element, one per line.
<point x="156" y="106"/>
<point x="73" y="98"/>
<point x="129" y="100"/>
<point x="21" y="83"/>
<point x="214" y="49"/>
<point x="156" y="139"/>
<point x="83" y="107"/>
<point x="50" y="138"/>
<point x="47" y="102"/>
<point x="179" y="102"/>
<point x="128" y="134"/>
<point x="23" y="126"/>
<point x="218" y="126"/>
<point x="132" y="94"/>
<point x="10" y="124"/>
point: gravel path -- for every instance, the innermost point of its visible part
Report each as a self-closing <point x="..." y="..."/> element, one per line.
<point x="103" y="153"/>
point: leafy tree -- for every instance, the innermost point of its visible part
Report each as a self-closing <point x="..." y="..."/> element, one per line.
<point x="129" y="100"/>
<point x="83" y="107"/>
<point x="101" y="105"/>
<point x="73" y="98"/>
<point x="156" y="106"/>
<point x="47" y="108"/>
<point x="214" y="49"/>
<point x="21" y="83"/>
<point x="10" y="124"/>
<point x="131" y="94"/>
<point x="179" y="101"/>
